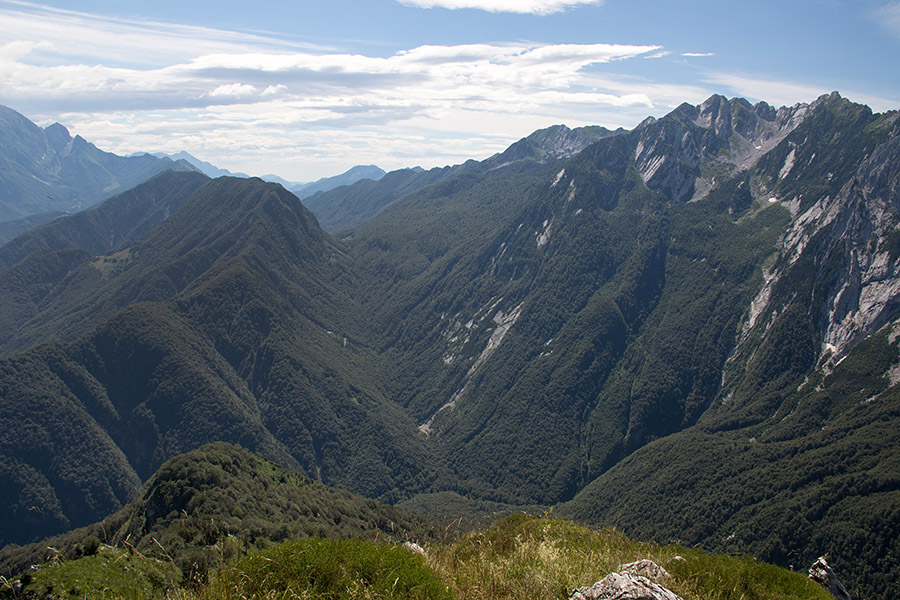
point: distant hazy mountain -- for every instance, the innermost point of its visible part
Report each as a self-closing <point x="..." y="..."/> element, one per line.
<point x="43" y="170"/>
<point x="272" y="178"/>
<point x="349" y="177"/>
<point x="689" y="330"/>
<point x="208" y="169"/>
<point x="302" y="190"/>
<point x="212" y="171"/>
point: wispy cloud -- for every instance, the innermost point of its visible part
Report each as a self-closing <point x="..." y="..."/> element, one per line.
<point x="788" y="93"/>
<point x="779" y="93"/>
<point x="889" y="17"/>
<point x="698" y="54"/>
<point x="534" y="7"/>
<point x="71" y="36"/>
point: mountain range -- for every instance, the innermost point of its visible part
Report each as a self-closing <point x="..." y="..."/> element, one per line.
<point x="688" y="330"/>
<point x="302" y="190"/>
<point x="46" y="169"/>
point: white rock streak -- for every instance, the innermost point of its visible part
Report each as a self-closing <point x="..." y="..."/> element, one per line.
<point x="504" y="321"/>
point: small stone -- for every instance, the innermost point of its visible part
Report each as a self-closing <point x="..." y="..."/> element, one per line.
<point x="414" y="547"/>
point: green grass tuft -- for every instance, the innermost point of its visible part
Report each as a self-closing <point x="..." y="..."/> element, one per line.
<point x="333" y="569"/>
<point x="108" y="574"/>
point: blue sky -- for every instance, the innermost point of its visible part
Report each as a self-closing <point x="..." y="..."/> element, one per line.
<point x="308" y="89"/>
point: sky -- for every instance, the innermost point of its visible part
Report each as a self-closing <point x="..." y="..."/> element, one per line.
<point x="308" y="89"/>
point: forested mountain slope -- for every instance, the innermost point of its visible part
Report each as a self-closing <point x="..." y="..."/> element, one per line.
<point x="11" y="229"/>
<point x="233" y="320"/>
<point x="113" y="224"/>
<point x="797" y="453"/>
<point x="704" y="273"/>
<point x="517" y="303"/>
<point x="209" y="505"/>
<point x="36" y="264"/>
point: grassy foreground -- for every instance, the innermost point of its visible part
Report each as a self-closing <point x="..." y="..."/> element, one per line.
<point x="516" y="558"/>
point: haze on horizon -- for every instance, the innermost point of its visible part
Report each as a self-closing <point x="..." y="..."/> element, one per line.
<point x="309" y="90"/>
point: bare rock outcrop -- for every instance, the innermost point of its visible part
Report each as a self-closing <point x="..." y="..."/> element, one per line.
<point x="852" y="235"/>
<point x="821" y="572"/>
<point x="631" y="582"/>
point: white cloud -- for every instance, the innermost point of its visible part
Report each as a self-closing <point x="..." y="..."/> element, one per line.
<point x="534" y="7"/>
<point x="273" y="90"/>
<point x="257" y="105"/>
<point x="698" y="54"/>
<point x="68" y="36"/>
<point x="235" y="90"/>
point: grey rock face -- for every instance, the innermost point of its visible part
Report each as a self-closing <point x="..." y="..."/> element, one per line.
<point x="859" y="222"/>
<point x="553" y="143"/>
<point x="668" y="158"/>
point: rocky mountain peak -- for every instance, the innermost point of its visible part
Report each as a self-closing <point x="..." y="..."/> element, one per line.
<point x="554" y="143"/>
<point x="715" y="114"/>
<point x="719" y="133"/>
<point x="560" y="141"/>
<point x="46" y="169"/>
<point x="58" y="137"/>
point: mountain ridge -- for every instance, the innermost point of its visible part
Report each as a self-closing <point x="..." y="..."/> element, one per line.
<point x="348" y="177"/>
<point x="112" y="224"/>
<point x="302" y="190"/>
<point x="347" y="207"/>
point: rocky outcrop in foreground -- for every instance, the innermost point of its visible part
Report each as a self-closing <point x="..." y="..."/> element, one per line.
<point x="821" y="572"/>
<point x="631" y="582"/>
